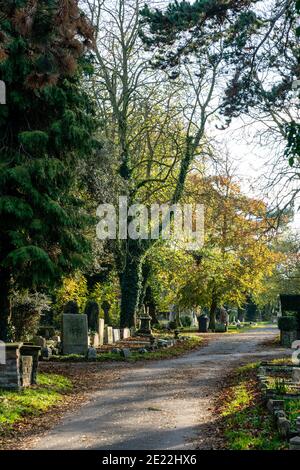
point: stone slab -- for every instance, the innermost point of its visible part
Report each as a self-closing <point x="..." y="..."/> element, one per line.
<point x="75" y="334"/>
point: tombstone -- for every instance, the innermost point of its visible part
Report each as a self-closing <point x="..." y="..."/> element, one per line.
<point x="125" y="333"/>
<point x="92" y="312"/>
<point x="92" y="354"/>
<point x="116" y="335"/>
<point x="108" y="335"/>
<point x="101" y="331"/>
<point x="34" y="352"/>
<point x="10" y="376"/>
<point x="75" y="334"/>
<point x="125" y="353"/>
<point x="26" y="371"/>
<point x="39" y="341"/>
<point x="71" y="307"/>
<point x="46" y="352"/>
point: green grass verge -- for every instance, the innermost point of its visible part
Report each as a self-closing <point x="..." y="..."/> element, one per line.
<point x="14" y="406"/>
<point x="180" y="348"/>
<point x="246" y="423"/>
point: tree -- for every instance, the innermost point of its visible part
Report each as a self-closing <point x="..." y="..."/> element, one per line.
<point x="156" y="126"/>
<point x="261" y="56"/>
<point x="237" y="255"/>
<point x="45" y="129"/>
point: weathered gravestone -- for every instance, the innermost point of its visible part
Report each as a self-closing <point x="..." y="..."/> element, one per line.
<point x="10" y="372"/>
<point x="116" y="335"/>
<point x="125" y="333"/>
<point x="26" y="370"/>
<point x="75" y="334"/>
<point x="101" y="331"/>
<point x="108" y="335"/>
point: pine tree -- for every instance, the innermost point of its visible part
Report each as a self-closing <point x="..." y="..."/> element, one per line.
<point x="46" y="127"/>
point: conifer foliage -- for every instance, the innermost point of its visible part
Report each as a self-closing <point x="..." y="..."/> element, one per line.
<point x="46" y="128"/>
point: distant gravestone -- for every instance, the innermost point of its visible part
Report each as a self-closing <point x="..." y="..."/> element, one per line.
<point x="101" y="331"/>
<point x="125" y="333"/>
<point x="116" y="335"/>
<point x="75" y="334"/>
<point x="108" y="335"/>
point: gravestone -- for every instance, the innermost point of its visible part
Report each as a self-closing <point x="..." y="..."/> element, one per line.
<point x="26" y="370"/>
<point x="34" y="352"/>
<point x="125" y="333"/>
<point x="101" y="331"/>
<point x="75" y="334"/>
<point x="10" y="376"/>
<point x="39" y="341"/>
<point x="108" y="335"/>
<point x="116" y="335"/>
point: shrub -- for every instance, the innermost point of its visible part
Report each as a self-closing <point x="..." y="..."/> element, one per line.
<point x="186" y="321"/>
<point x="287" y="323"/>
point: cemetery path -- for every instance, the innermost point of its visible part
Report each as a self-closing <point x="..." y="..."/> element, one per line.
<point x="165" y="405"/>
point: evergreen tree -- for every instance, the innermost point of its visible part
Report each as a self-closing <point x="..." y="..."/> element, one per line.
<point x="46" y="127"/>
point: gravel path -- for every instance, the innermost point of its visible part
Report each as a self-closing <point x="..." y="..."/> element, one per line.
<point x="160" y="405"/>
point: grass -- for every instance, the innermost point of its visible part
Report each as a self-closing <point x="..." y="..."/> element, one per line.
<point x="14" y="406"/>
<point x="165" y="353"/>
<point x="246" y="423"/>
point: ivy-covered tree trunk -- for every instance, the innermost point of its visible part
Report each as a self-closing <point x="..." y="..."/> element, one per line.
<point x="4" y="305"/>
<point x="130" y="283"/>
<point x="212" y="315"/>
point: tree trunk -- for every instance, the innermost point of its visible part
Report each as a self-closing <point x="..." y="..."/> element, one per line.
<point x="5" y="308"/>
<point x="212" y="315"/>
<point x="130" y="283"/>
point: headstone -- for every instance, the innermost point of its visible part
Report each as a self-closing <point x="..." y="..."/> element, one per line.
<point x="116" y="335"/>
<point x="34" y="352"/>
<point x="125" y="353"/>
<point x="75" y="334"/>
<point x="295" y="443"/>
<point x="46" y="352"/>
<point x="125" y="333"/>
<point x="26" y="371"/>
<point x="145" y="326"/>
<point x="284" y="427"/>
<point x="143" y="351"/>
<point x="56" y="338"/>
<point x="296" y="374"/>
<point x="39" y="341"/>
<point x="92" y="354"/>
<point x="132" y="331"/>
<point x="101" y="331"/>
<point x="116" y="351"/>
<point x="10" y="376"/>
<point x="108" y="335"/>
